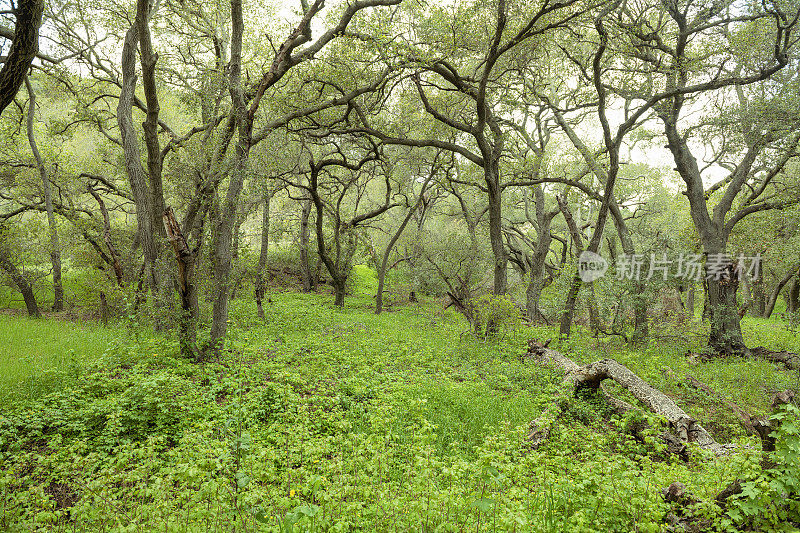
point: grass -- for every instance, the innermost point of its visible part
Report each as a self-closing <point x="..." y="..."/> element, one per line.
<point x="328" y="419"/>
<point x="38" y="356"/>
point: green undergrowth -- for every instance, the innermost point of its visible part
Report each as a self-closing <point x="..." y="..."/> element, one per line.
<point x="320" y="419"/>
<point x="38" y="356"/>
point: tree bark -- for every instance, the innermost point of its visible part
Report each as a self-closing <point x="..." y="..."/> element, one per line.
<point x="492" y="175"/>
<point x="148" y="60"/>
<point x="759" y="297"/>
<point x="24" y="48"/>
<point x="20" y="281"/>
<point x="133" y="162"/>
<point x="533" y="293"/>
<point x="103" y="309"/>
<point x="187" y="334"/>
<point x="306" y="275"/>
<point x="263" y="255"/>
<point x="237" y="234"/>
<point x="339" y="292"/>
<point x="777" y="291"/>
<point x="726" y="332"/>
<point x="721" y="307"/>
<point x="55" y="247"/>
<point x="690" y="298"/>
<point x="223" y="231"/>
<point x="544" y="238"/>
<point x="567" y="315"/>
<point x="793" y="300"/>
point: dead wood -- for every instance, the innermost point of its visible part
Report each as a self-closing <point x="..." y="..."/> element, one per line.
<point x="685" y="428"/>
<point x="764" y="427"/>
<point x="743" y="416"/>
<point x="790" y="360"/>
<point x="682" y="517"/>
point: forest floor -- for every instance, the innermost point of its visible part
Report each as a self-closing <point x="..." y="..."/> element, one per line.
<point x="320" y="419"/>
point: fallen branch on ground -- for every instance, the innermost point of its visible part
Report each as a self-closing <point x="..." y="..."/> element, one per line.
<point x="685" y="428"/>
<point x="682" y="518"/>
<point x="743" y="416"/>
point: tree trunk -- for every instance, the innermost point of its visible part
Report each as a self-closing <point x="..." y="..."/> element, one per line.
<point x="23" y="49"/>
<point x="726" y="332"/>
<point x="21" y="282"/>
<point x="133" y="162"/>
<point x="339" y="265"/>
<point x="148" y="59"/>
<point x="222" y="255"/>
<point x="262" y="255"/>
<point x="492" y="175"/>
<point x="569" y="306"/>
<point x="305" y="265"/>
<point x="537" y="259"/>
<point x="237" y="230"/>
<point x="227" y="217"/>
<point x="793" y="301"/>
<point x="720" y="305"/>
<point x="187" y="334"/>
<point x="533" y="293"/>
<point x="103" y="309"/>
<point x="690" y="297"/>
<point x="594" y="315"/>
<point x="55" y="247"/>
<point x="778" y="288"/>
<point x="389" y="247"/>
<point x="640" y="326"/>
<point x="572" y="296"/>
<point x="759" y="297"/>
<point x="339" y="291"/>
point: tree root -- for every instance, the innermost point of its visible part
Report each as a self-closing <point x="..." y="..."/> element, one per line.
<point x="790" y="360"/>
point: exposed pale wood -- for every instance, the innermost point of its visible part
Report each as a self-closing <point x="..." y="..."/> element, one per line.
<point x="592" y="375"/>
<point x="186" y="289"/>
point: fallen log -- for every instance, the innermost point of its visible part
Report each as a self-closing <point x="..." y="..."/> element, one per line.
<point x="685" y="428"/>
<point x="682" y="517"/>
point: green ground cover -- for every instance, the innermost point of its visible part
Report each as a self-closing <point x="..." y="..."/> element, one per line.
<point x="321" y="419"/>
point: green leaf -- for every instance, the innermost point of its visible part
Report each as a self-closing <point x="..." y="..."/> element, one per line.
<point x="484" y="504"/>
